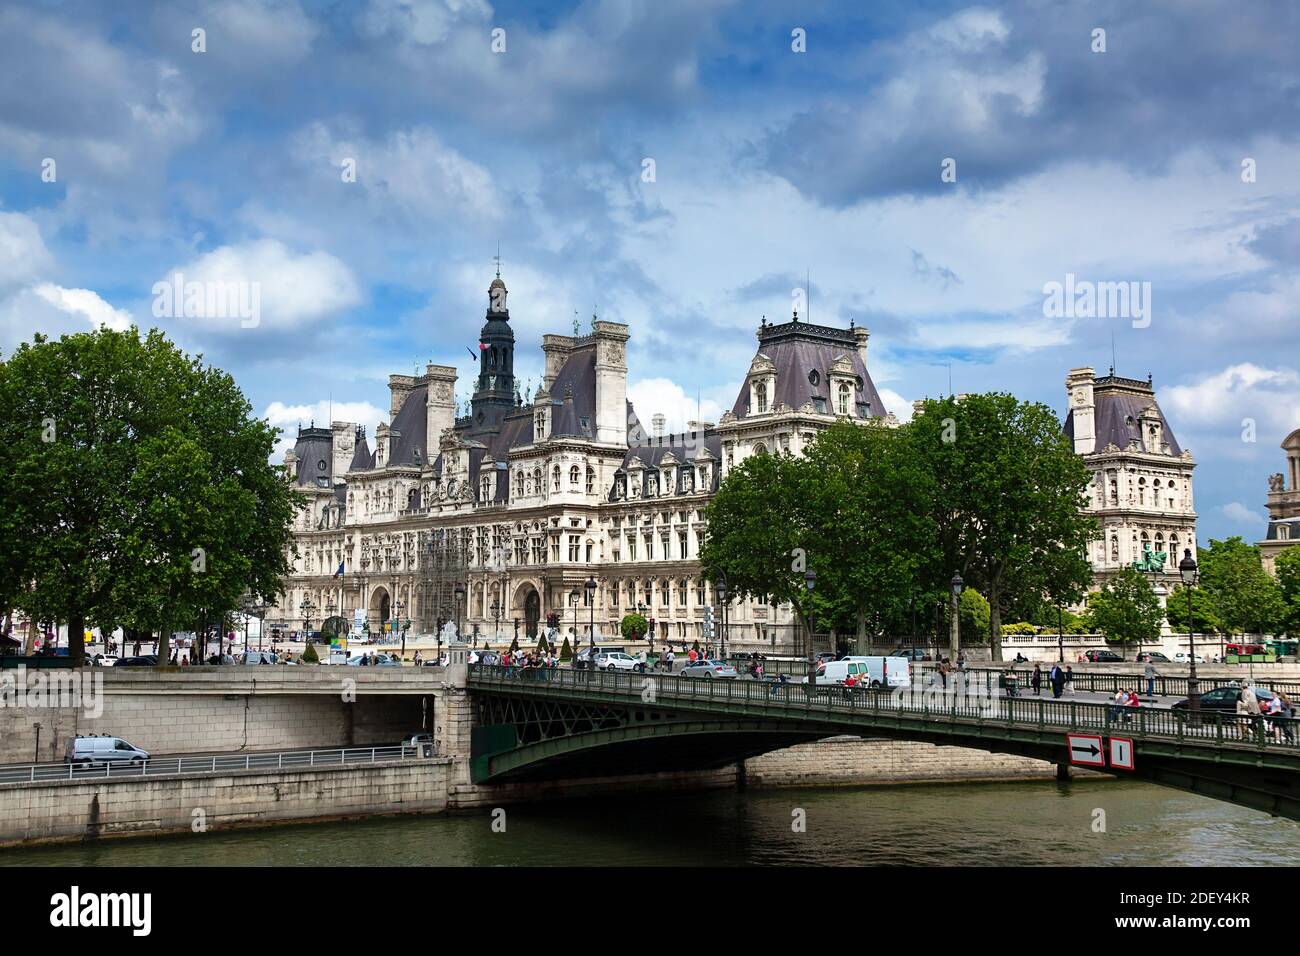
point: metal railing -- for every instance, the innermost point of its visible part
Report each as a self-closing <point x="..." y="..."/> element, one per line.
<point x="215" y="763"/>
<point x="1171" y="686"/>
<point x="966" y="704"/>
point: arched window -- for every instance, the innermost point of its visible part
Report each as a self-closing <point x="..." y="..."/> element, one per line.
<point x="555" y="478"/>
<point x="760" y="449"/>
<point x="1142" y="491"/>
<point x="591" y="480"/>
<point x="537" y="481"/>
<point x="573" y="477"/>
<point x="844" y="398"/>
<point x="760" y="395"/>
<point x="519" y="484"/>
<point x="485" y="488"/>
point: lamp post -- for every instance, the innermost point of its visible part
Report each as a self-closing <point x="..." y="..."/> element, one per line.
<point x="1060" y="634"/>
<point x="307" y="607"/>
<point x="810" y="582"/>
<point x="955" y="585"/>
<point x="573" y="602"/>
<point x="591" y="602"/>
<point x="460" y="593"/>
<point x="649" y="634"/>
<point x="722" y="606"/>
<point x="496" y="615"/>
<point x="1187" y="571"/>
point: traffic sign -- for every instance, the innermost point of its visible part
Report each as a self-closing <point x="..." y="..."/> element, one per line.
<point x="1121" y="753"/>
<point x="1086" y="749"/>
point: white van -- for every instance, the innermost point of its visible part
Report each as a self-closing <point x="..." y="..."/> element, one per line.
<point x="869" y="671"/>
<point x="103" y="750"/>
<point x="258" y="657"/>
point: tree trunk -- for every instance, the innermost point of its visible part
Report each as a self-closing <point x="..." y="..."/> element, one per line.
<point x="862" y="630"/>
<point x="995" y="621"/>
<point x="76" y="638"/>
<point x="164" y="645"/>
<point x="29" y="643"/>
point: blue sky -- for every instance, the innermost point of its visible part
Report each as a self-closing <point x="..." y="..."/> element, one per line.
<point x="770" y="165"/>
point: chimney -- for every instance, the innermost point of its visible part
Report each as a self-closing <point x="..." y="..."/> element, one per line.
<point x="1083" y="409"/>
<point x="440" y="407"/>
<point x="381" y="445"/>
<point x="658" y="421"/>
<point x="399" y="386"/>
<point x="861" y="335"/>
<point x="611" y="382"/>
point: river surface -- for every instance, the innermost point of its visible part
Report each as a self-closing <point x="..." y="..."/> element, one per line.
<point x="967" y="824"/>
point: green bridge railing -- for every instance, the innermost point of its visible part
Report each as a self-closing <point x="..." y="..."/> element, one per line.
<point x="971" y="704"/>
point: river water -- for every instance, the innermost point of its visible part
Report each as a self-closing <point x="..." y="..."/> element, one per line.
<point x="966" y="824"/>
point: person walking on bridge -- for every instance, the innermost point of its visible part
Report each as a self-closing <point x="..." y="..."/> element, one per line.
<point x="1058" y="681"/>
<point x="1036" y="681"/>
<point x="1150" y="673"/>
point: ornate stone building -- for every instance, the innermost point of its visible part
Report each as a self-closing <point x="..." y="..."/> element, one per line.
<point x="1141" y="492"/>
<point x="1283" y="505"/>
<point x="534" y="499"/>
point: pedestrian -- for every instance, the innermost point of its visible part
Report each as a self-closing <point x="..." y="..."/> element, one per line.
<point x="1058" y="681"/>
<point x="668" y="659"/>
<point x="691" y="655"/>
<point x="1150" y="673"/>
<point x="1069" y="680"/>
<point x="1036" y="681"/>
<point x="1118" y="702"/>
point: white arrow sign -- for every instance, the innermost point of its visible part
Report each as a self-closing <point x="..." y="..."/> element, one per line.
<point x="1086" y="749"/>
<point x="1121" y="753"/>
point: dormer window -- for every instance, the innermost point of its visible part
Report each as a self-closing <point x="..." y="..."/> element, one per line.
<point x="760" y="399"/>
<point x="845" y="398"/>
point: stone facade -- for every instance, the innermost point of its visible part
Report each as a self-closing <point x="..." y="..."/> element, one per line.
<point x="541" y="495"/>
<point x="1283" y="506"/>
<point x="1141" y="492"/>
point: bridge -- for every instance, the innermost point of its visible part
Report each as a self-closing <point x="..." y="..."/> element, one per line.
<point x="556" y="723"/>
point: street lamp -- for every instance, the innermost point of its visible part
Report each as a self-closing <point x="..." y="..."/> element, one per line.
<point x="810" y="582"/>
<point x="1187" y="571"/>
<point x="955" y="635"/>
<point x="460" y="594"/>
<point x="591" y="600"/>
<point x="722" y="607"/>
<point x="574" y="595"/>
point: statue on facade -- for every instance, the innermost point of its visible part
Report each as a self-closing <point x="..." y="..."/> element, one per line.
<point x="1276" y="482"/>
<point x="1151" y="561"/>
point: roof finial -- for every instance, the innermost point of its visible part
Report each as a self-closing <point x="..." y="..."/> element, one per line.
<point x="497" y="257"/>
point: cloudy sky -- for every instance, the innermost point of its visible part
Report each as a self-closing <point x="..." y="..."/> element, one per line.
<point x="682" y="166"/>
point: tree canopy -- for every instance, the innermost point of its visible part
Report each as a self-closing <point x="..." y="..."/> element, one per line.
<point x="1246" y="600"/>
<point x="138" y="486"/>
<point x="1126" y="610"/>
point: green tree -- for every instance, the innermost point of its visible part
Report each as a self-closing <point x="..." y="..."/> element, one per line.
<point x="753" y="526"/>
<point x="1006" y="496"/>
<point x="566" y="652"/>
<point x="633" y="627"/>
<point x="1126" y="610"/>
<point x="1287" y="566"/>
<point x="1203" y="620"/>
<point x="309" y="655"/>
<point x="138" y="483"/>
<point x="974" y="611"/>
<point x="1245" y="598"/>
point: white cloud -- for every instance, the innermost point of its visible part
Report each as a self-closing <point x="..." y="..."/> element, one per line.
<point x="896" y="403"/>
<point x="663" y="396"/>
<point x="259" y="32"/>
<point x="23" y="255"/>
<point x="87" y="304"/>
<point x="294" y="290"/>
<point x="323" y="413"/>
<point x="413" y="172"/>
<point x="1241" y="514"/>
<point x="1242" y="390"/>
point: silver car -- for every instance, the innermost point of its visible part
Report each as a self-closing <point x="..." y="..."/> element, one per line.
<point x="709" y="670"/>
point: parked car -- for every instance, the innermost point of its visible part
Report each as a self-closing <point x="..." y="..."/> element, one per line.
<point x="1224" y="699"/>
<point x="258" y="657"/>
<point x="104" y="750"/>
<point x="144" y="660"/>
<point x="418" y="739"/>
<point x="1182" y="657"/>
<point x="911" y="653"/>
<point x="381" y="660"/>
<point x="105" y="660"/>
<point x="709" y="669"/>
<point x="617" y="661"/>
<point x="582" y="659"/>
<point x="1153" y="657"/>
<point x="1102" y="657"/>
<point x="490" y="658"/>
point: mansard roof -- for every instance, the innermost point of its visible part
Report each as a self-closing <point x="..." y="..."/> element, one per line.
<point x="314" y="450"/>
<point x="797" y="349"/>
<point x="1120" y="404"/>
